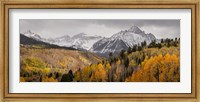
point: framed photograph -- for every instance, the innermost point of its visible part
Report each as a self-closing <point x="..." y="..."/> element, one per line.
<point x="101" y="50"/>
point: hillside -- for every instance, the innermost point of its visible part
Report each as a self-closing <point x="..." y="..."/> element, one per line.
<point x="31" y="42"/>
<point x="156" y="62"/>
<point x="40" y="62"/>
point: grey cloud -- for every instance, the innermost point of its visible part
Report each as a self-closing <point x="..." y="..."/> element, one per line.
<point x="104" y="27"/>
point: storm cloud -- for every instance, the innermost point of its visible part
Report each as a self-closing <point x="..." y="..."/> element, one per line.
<point x="51" y="28"/>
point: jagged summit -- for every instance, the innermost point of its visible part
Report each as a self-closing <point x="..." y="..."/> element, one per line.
<point x="30" y="34"/>
<point x="135" y="29"/>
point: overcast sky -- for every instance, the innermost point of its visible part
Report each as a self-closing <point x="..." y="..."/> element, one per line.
<point x="56" y="28"/>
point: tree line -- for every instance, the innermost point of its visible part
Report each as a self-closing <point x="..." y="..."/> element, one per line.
<point x="157" y="61"/>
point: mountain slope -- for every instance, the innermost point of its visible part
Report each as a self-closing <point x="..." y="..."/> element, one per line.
<point x="56" y="62"/>
<point x="122" y="40"/>
<point x="32" y="35"/>
<point x="24" y="40"/>
<point x="97" y="44"/>
<point x="80" y="41"/>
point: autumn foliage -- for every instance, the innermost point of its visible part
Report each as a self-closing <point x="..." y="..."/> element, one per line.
<point x="158" y="69"/>
<point x="156" y="62"/>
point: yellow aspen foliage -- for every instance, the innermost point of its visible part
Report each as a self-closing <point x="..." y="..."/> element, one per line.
<point x="133" y="77"/>
<point x="128" y="79"/>
<point x="147" y="68"/>
<point x="63" y="63"/>
<point x="145" y="60"/>
<point x="22" y="79"/>
<point x="47" y="79"/>
<point x="162" y="69"/>
<point x="77" y="75"/>
<point x="132" y="63"/>
<point x="174" y="68"/>
<point x="160" y="57"/>
<point x="138" y="76"/>
<point x="86" y="73"/>
<point x="93" y="79"/>
<point x="46" y="70"/>
<point x="154" y="70"/>
<point x="34" y="62"/>
<point x="93" y="66"/>
<point x="159" y="68"/>
<point x="108" y="66"/>
<point x="100" y="73"/>
<point x="167" y="58"/>
<point x="118" y="62"/>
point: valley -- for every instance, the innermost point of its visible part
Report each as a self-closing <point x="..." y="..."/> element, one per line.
<point x="127" y="56"/>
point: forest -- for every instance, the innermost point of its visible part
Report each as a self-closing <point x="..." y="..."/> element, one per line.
<point x="158" y="61"/>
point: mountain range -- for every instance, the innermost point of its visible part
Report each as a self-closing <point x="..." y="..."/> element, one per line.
<point x="98" y="44"/>
<point x="79" y="41"/>
<point x="30" y="42"/>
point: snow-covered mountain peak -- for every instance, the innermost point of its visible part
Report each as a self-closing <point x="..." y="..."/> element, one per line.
<point x="78" y="41"/>
<point x="79" y="35"/>
<point x="149" y="34"/>
<point x="62" y="38"/>
<point x="98" y="44"/>
<point x="30" y="34"/>
<point x="65" y="36"/>
<point x="122" y="40"/>
<point x="135" y="29"/>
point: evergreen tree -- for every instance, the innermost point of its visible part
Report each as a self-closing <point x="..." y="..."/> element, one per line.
<point x="129" y="50"/>
<point x="134" y="48"/>
<point x="126" y="63"/>
<point x="162" y="41"/>
<point x="122" y="53"/>
<point x="67" y="77"/>
<point x="110" y="55"/>
<point x="139" y="48"/>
